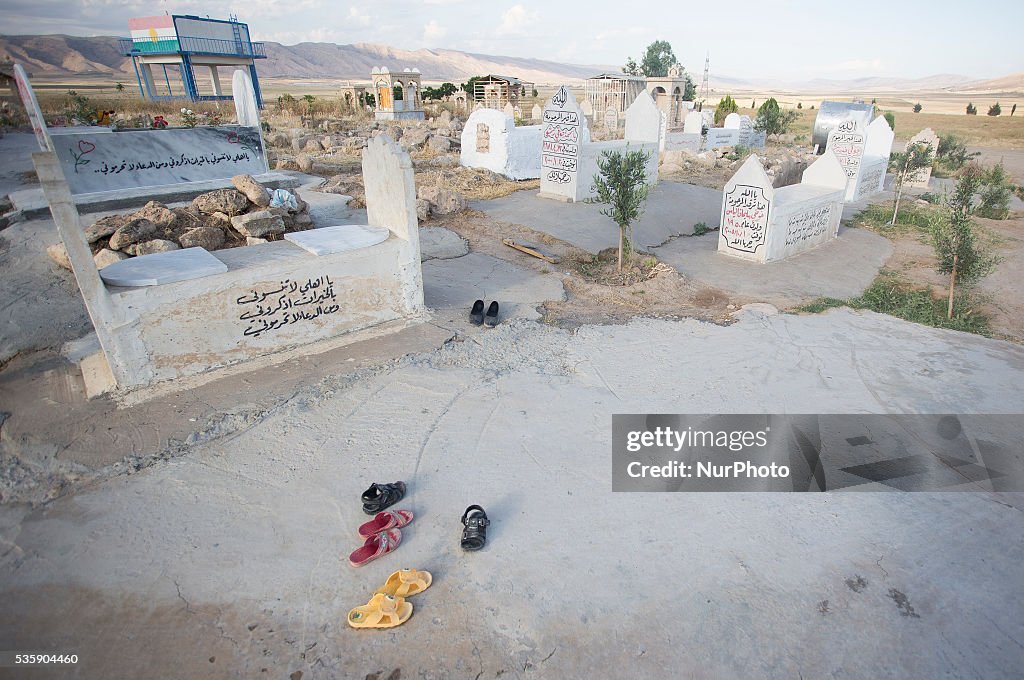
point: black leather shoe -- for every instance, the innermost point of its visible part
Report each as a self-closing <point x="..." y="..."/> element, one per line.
<point x="476" y="315"/>
<point x="492" y="315"/>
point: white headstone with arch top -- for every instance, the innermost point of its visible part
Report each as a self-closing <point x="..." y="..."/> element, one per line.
<point x="563" y="134"/>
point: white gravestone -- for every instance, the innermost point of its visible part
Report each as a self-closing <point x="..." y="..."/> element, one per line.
<point x="921" y="178"/>
<point x="693" y="123"/>
<point x="757" y="139"/>
<point x="587" y="108"/>
<point x="746" y="207"/>
<point x="877" y="148"/>
<point x="509" y="111"/>
<point x="846" y="141"/>
<point x="611" y="118"/>
<point x="732" y="122"/>
<point x="563" y="133"/>
<point x="536" y="112"/>
<point x="746" y="130"/>
<point x="643" y="120"/>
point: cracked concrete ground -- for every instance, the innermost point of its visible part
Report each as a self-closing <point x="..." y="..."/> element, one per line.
<point x="219" y="548"/>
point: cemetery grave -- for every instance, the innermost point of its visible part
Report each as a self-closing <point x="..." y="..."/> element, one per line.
<point x="765" y="224"/>
<point x="492" y="140"/>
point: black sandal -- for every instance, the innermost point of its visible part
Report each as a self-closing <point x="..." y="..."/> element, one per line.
<point x="380" y="496"/>
<point x="474" y="536"/>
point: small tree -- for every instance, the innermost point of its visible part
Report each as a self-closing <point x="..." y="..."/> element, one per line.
<point x="917" y="107"/>
<point x="904" y="164"/>
<point x="772" y="120"/>
<point x="890" y="118"/>
<point x="960" y="255"/>
<point x="995" y="109"/>
<point x="753" y="103"/>
<point x="726" y="106"/>
<point x="972" y="110"/>
<point x="952" y="152"/>
<point x="995" y="193"/>
<point x="799" y="105"/>
<point x="120" y="88"/>
<point x="689" y="89"/>
<point x="621" y="182"/>
<point x="1013" y="109"/>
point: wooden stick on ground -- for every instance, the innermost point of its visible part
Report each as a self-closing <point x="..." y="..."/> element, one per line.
<point x="530" y="251"/>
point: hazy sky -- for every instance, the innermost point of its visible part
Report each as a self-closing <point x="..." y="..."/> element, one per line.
<point x="784" y="39"/>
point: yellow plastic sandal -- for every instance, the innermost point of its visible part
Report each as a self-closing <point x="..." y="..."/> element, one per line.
<point x="382" y="611"/>
<point x="406" y="582"/>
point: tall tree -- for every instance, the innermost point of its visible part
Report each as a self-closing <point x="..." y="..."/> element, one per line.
<point x="631" y="68"/>
<point x="657" y="59"/>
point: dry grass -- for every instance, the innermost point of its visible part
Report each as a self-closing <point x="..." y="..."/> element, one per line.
<point x="474" y="183"/>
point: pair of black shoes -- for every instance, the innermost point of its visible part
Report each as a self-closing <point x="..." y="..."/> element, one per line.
<point x="477" y="316"/>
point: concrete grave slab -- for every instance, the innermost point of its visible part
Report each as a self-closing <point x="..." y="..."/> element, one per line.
<point x="438" y="243"/>
<point x="339" y="239"/>
<point x="672" y="208"/>
<point x="841" y="268"/>
<point x="162" y="268"/>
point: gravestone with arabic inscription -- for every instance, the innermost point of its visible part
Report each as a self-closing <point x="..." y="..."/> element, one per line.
<point x="104" y="160"/>
<point x="562" y="135"/>
<point x="764" y="224"/>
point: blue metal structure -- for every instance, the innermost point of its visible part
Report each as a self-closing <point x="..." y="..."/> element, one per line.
<point x="179" y="41"/>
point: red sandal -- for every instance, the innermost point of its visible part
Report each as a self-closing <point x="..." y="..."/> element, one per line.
<point x="384" y="520"/>
<point x="375" y="546"/>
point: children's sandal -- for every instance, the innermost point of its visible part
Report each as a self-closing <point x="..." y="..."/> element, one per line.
<point x="406" y="582"/>
<point x="474" y="536"/>
<point x="382" y="611"/>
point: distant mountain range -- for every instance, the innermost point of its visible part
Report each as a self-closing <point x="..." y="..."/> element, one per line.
<point x="62" y="56"/>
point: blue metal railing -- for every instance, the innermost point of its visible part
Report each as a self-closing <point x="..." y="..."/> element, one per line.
<point x="252" y="50"/>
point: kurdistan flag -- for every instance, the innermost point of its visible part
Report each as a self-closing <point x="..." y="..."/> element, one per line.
<point x="154" y="34"/>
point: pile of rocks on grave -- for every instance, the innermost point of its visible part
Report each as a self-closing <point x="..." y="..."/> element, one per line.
<point x="225" y="218"/>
